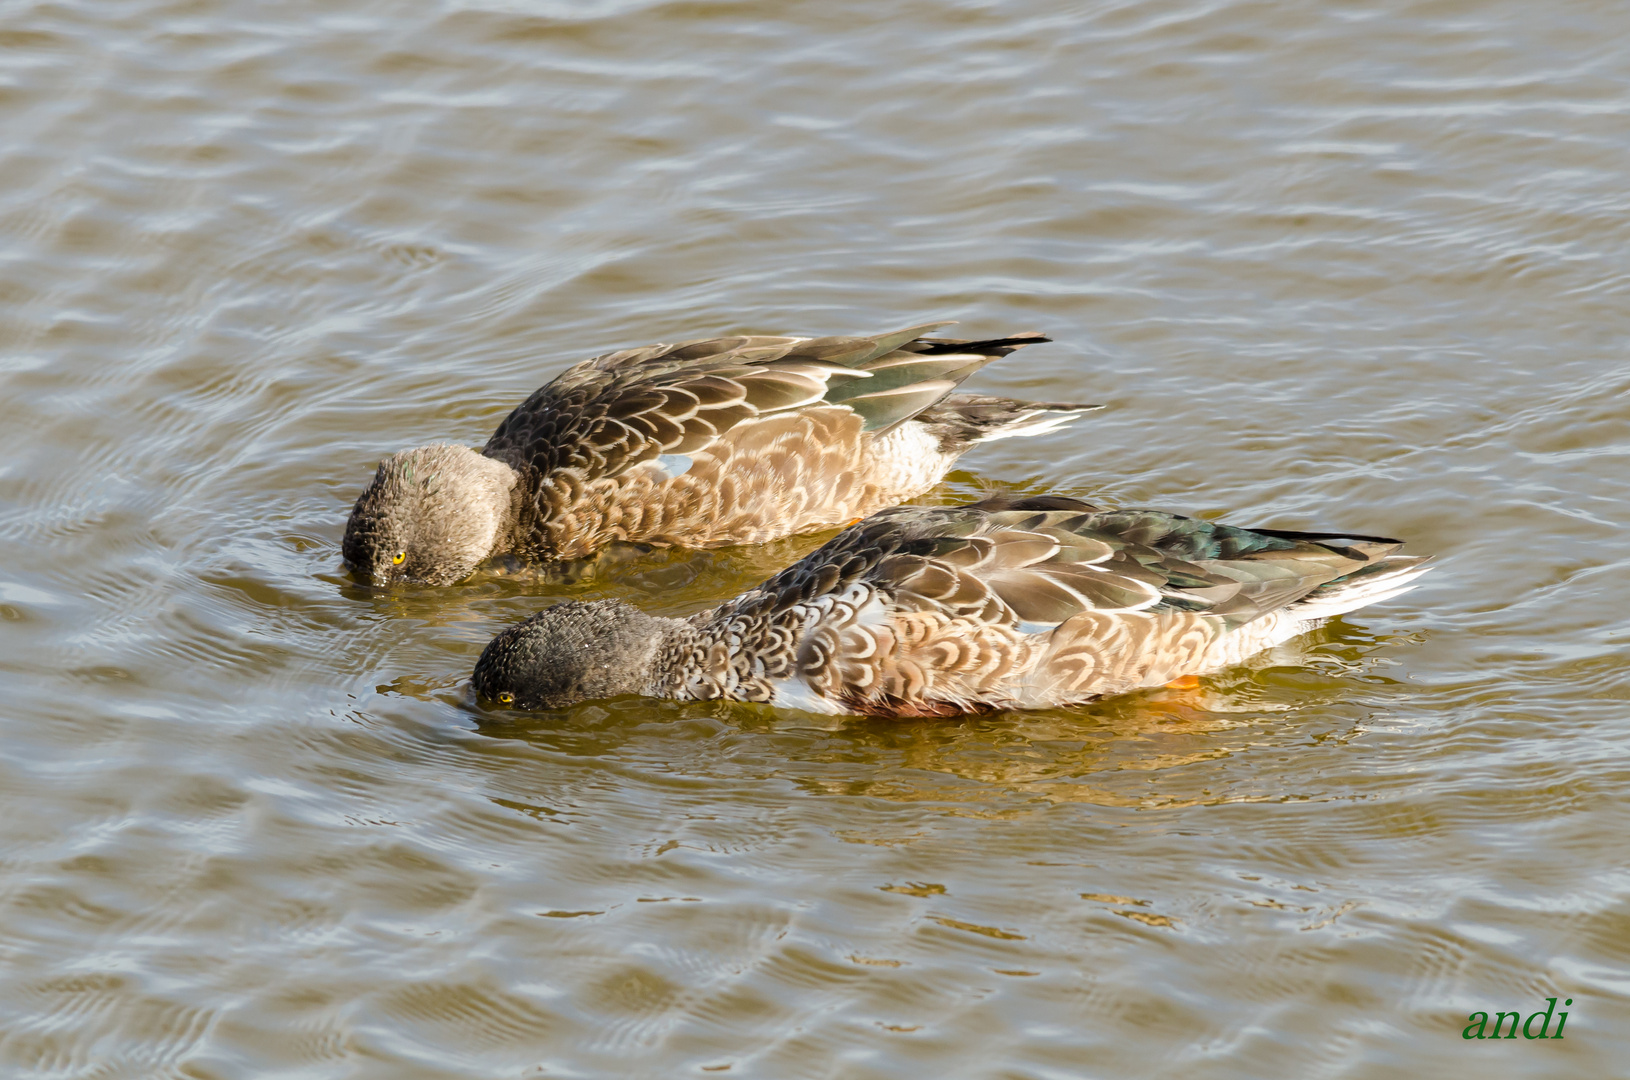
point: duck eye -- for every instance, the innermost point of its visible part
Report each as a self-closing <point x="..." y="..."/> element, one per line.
<point x="399" y="557"/>
<point x="506" y="698"/>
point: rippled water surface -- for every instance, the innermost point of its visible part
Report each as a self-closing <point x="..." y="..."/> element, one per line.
<point x="1332" y="265"/>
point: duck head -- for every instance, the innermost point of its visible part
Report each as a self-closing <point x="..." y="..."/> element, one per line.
<point x="430" y="516"/>
<point x="572" y="652"/>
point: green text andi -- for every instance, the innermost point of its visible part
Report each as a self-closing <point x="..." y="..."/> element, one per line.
<point x="1480" y="1021"/>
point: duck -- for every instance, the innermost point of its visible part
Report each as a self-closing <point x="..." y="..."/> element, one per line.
<point x="1002" y="604"/>
<point x="702" y="444"/>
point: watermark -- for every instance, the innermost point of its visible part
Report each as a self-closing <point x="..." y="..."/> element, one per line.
<point x="1480" y="1021"/>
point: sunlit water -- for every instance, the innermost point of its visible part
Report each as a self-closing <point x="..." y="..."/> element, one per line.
<point x="1332" y="265"/>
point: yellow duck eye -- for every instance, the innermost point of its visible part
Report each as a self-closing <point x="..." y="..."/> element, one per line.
<point x="506" y="698"/>
<point x="399" y="557"/>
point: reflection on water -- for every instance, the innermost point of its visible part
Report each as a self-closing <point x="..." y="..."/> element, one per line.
<point x="1330" y="266"/>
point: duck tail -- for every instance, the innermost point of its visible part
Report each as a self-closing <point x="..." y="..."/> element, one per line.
<point x="961" y="420"/>
<point x="1381" y="580"/>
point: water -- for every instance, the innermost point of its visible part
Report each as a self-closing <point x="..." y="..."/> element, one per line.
<point x="1331" y="265"/>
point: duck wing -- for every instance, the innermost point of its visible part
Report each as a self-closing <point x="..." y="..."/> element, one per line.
<point x="1035" y="563"/>
<point x="609" y="414"/>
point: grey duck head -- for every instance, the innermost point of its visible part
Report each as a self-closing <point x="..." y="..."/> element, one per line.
<point x="572" y="652"/>
<point x="430" y="516"/>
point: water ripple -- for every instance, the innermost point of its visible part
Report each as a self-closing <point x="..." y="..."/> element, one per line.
<point x="1332" y="267"/>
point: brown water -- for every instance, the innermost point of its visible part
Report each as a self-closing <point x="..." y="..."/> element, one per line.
<point x="1361" y="266"/>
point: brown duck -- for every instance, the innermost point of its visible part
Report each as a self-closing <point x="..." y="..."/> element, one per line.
<point x="1002" y="604"/>
<point x="702" y="444"/>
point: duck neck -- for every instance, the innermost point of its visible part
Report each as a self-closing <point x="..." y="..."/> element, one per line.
<point x="515" y="522"/>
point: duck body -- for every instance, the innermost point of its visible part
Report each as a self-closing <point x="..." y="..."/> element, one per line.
<point x="703" y="444"/>
<point x="934" y="611"/>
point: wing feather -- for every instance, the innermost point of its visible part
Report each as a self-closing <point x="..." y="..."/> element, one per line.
<point x="884" y="409"/>
<point x="611" y="413"/>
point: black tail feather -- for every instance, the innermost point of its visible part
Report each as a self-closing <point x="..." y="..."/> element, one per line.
<point x="996" y="346"/>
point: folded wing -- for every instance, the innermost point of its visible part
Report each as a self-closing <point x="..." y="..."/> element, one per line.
<point x="663" y="403"/>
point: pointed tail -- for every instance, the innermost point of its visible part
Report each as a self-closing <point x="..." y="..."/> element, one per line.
<point x="1381" y="580"/>
<point x="962" y="420"/>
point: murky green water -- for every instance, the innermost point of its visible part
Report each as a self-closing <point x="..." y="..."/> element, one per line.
<point x="1361" y="266"/>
